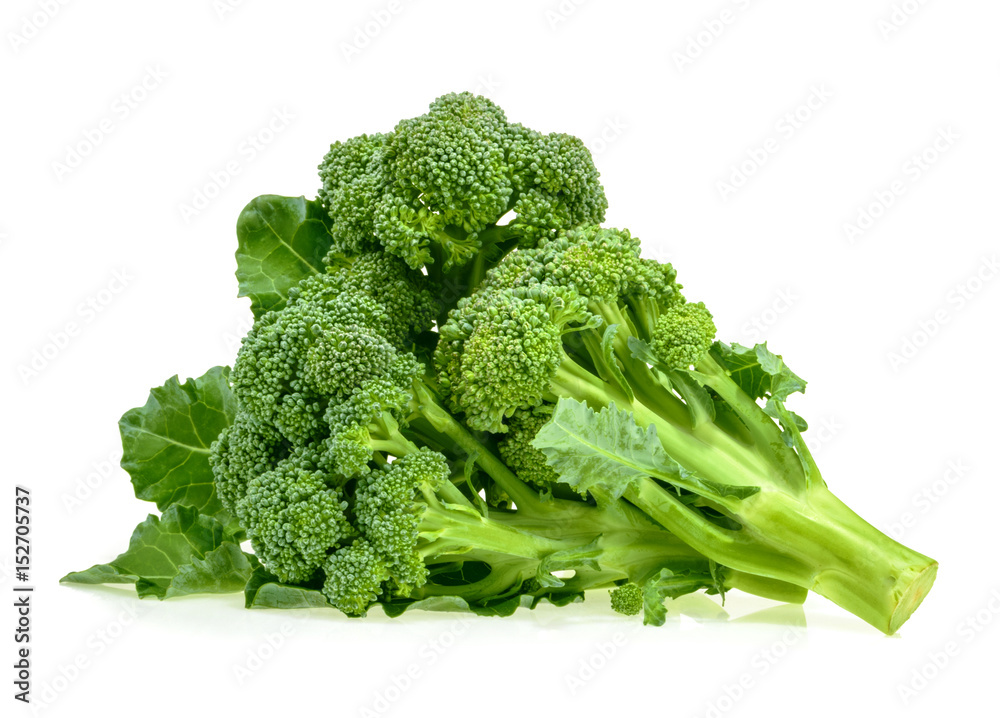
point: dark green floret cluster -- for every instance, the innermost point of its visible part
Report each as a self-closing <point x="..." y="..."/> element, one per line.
<point x="462" y="392"/>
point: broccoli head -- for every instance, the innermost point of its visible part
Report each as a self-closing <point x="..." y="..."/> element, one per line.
<point x="435" y="190"/>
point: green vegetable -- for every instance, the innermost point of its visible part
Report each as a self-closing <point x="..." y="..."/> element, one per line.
<point x="460" y="392"/>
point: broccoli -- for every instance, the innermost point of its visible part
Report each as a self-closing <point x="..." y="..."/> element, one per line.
<point x="627" y="599"/>
<point x="457" y="188"/>
<point x="461" y="391"/>
<point x="322" y="469"/>
<point x="646" y="405"/>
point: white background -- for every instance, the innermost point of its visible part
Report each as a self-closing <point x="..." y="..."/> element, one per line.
<point x="670" y="110"/>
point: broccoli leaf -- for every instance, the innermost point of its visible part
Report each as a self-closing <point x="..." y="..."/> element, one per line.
<point x="225" y="569"/>
<point x="502" y="607"/>
<point x="667" y="584"/>
<point x="433" y="603"/>
<point x="642" y="351"/>
<point x="98" y="574"/>
<point x="281" y="240"/>
<point x="614" y="371"/>
<point x="607" y="450"/>
<point x="180" y="553"/>
<point x="166" y="442"/>
<point x="758" y="371"/>
<point x="265" y="590"/>
<point x="570" y="559"/>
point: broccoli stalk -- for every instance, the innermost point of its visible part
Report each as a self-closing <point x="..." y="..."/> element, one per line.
<point x="582" y="323"/>
<point x="630" y="545"/>
<point x="789" y="526"/>
<point x="604" y="545"/>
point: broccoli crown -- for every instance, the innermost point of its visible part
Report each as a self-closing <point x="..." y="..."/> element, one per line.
<point x="627" y="599"/>
<point x="352" y="182"/>
<point x="517" y="452"/>
<point x="409" y="299"/>
<point x="389" y="505"/>
<point x="431" y="186"/>
<point x="683" y="335"/>
<point x="293" y="518"/>
<point x="318" y="384"/>
<point x="499" y="350"/>
<point x="354" y="577"/>
<point x="245" y="449"/>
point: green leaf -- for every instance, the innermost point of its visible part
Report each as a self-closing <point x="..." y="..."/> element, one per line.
<point x="560" y="599"/>
<point x="605" y="449"/>
<point x="179" y="546"/>
<point x="757" y="371"/>
<point x="699" y="402"/>
<point x="569" y="559"/>
<point x="608" y="350"/>
<point x="100" y="573"/>
<point x="608" y="451"/>
<point x="771" y="410"/>
<point x="223" y="570"/>
<point x="501" y="608"/>
<point x="281" y="240"/>
<point x="432" y="603"/>
<point x="667" y="584"/>
<point x="165" y="443"/>
<point x="264" y="590"/>
<point x="717" y="490"/>
<point x="642" y="351"/>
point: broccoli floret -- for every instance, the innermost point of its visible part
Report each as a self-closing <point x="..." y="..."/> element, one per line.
<point x="240" y="452"/>
<point x="354" y="577"/>
<point x="369" y="421"/>
<point x="352" y="181"/>
<point x="516" y="450"/>
<point x="409" y="299"/>
<point x="684" y="333"/>
<point x="293" y="518"/>
<point x="500" y="351"/>
<point x="389" y="513"/>
<point x="627" y="599"/>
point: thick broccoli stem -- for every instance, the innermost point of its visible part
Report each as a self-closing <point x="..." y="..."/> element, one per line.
<point x="811" y="540"/>
<point x="634" y="546"/>
<point x="625" y="558"/>
<point x="805" y="537"/>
